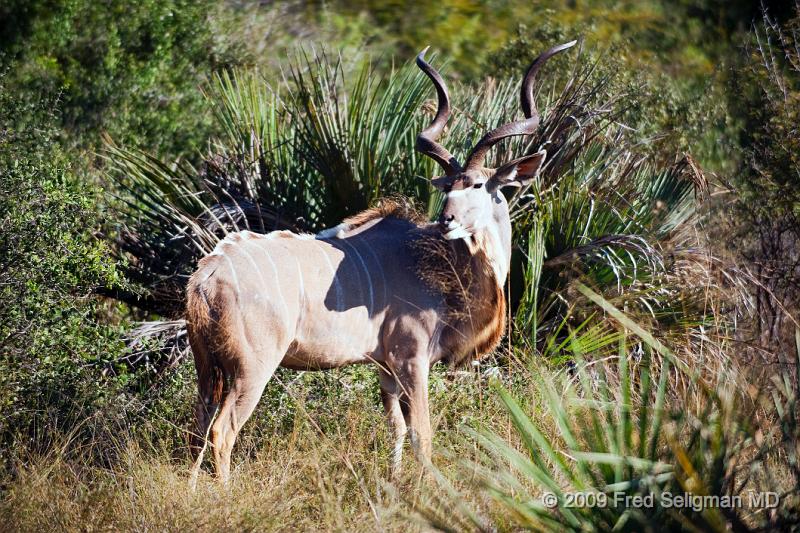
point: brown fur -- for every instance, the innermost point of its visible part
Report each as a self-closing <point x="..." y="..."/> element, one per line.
<point x="476" y="306"/>
<point x="396" y="207"/>
<point x="211" y="382"/>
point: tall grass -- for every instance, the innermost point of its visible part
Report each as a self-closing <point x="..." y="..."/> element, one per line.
<point x="607" y="424"/>
<point x="587" y="445"/>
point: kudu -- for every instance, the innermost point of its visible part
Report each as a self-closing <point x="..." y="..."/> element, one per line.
<point x="382" y="287"/>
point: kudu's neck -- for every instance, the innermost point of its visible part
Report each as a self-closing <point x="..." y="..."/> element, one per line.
<point x="495" y="239"/>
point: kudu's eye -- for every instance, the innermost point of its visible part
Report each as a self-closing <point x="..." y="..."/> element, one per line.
<point x="477" y="186"/>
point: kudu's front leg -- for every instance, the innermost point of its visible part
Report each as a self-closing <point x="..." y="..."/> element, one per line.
<point x="412" y="377"/>
<point x="390" y="395"/>
<point x="404" y="390"/>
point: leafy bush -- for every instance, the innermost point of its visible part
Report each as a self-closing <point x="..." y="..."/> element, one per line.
<point x="54" y="338"/>
<point x="129" y="70"/>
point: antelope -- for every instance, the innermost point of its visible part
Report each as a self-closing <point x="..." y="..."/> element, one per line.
<point x="383" y="287"/>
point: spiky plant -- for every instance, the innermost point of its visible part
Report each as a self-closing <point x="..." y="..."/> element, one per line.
<point x="333" y="137"/>
<point x="592" y="453"/>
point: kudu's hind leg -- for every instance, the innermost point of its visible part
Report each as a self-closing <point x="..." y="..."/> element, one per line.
<point x="210" y="381"/>
<point x="247" y="385"/>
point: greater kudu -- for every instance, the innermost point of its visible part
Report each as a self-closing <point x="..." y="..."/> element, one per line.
<point x="381" y="287"/>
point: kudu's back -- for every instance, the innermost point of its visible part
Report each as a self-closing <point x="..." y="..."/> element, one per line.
<point x="318" y="303"/>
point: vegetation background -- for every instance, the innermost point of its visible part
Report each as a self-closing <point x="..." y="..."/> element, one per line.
<point x="676" y="201"/>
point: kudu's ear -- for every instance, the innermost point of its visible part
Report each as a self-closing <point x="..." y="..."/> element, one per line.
<point x="518" y="172"/>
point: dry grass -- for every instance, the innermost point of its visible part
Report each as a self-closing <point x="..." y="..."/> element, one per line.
<point x="277" y="489"/>
<point x="314" y="458"/>
<point x="318" y="466"/>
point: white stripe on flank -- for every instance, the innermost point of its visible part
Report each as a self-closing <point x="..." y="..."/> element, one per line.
<point x="366" y="271"/>
<point x="277" y="278"/>
<point x="233" y="273"/>
<point x="255" y="265"/>
<point x="300" y="275"/>
<point x="336" y="285"/>
<point x="380" y="269"/>
<point x="300" y="301"/>
<point x="338" y="289"/>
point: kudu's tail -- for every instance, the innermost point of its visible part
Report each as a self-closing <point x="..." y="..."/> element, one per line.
<point x="210" y="376"/>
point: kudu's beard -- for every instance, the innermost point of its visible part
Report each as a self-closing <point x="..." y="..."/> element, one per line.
<point x="456" y="231"/>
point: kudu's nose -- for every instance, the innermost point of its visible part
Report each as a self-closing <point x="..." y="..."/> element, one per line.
<point x="445" y="220"/>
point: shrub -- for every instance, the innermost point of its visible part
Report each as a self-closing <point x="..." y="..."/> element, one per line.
<point x="129" y="70"/>
<point x="54" y="339"/>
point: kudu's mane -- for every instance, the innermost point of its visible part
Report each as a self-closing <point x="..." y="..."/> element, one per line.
<point x="393" y="207"/>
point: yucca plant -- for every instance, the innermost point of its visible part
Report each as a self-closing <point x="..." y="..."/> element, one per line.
<point x="613" y="221"/>
<point x="603" y="454"/>
<point x="333" y="137"/>
<point x="300" y="154"/>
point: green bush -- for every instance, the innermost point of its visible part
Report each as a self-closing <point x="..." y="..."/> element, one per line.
<point x="55" y="337"/>
<point x="130" y="70"/>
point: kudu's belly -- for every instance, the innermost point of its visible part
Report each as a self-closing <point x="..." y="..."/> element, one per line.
<point x="332" y="339"/>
